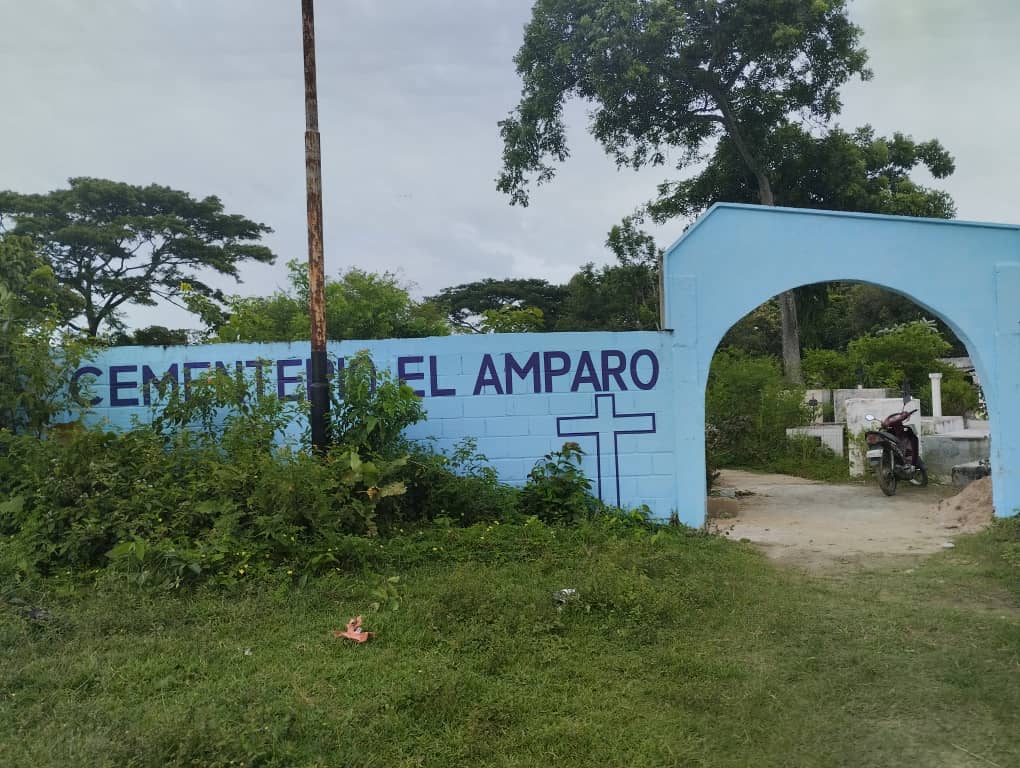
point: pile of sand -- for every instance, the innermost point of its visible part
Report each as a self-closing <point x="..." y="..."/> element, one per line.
<point x="970" y="509"/>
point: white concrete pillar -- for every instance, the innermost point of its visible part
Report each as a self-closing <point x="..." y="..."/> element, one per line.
<point x="936" y="394"/>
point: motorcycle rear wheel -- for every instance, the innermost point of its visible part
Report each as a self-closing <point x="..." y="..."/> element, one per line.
<point x="887" y="474"/>
<point x="920" y="480"/>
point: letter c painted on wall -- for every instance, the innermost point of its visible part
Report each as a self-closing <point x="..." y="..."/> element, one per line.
<point x="88" y="370"/>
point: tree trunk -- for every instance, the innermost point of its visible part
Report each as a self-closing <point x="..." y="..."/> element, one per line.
<point x="787" y="304"/>
<point x="791" y="337"/>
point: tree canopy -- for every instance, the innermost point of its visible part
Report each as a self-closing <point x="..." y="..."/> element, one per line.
<point x="465" y="305"/>
<point x="359" y="305"/>
<point x="115" y="244"/>
<point x="672" y="74"/>
<point x="34" y="295"/>
<point x="152" y="336"/>
<point x="618" y="297"/>
<point x="665" y="77"/>
<point x="838" y="171"/>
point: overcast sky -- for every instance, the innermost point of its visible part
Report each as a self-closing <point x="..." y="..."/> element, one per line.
<point x="206" y="96"/>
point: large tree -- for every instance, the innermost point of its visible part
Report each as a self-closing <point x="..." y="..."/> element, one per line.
<point x="116" y="244"/>
<point x="670" y="76"/>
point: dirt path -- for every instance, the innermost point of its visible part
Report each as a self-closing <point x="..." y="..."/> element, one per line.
<point x="818" y="526"/>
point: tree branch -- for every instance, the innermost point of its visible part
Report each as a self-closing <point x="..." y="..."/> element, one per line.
<point x="733" y="128"/>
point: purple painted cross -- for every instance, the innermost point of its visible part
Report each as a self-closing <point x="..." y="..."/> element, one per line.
<point x="605" y="427"/>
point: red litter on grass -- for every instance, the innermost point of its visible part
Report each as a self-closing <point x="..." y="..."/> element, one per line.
<point x="354" y="631"/>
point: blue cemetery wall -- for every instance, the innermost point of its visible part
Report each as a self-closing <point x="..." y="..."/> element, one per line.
<point x="635" y="402"/>
<point x="519" y="395"/>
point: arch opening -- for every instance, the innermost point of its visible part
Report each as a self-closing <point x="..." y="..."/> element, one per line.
<point x="756" y="423"/>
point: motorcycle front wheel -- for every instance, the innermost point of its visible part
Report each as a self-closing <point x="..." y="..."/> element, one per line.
<point x="887" y="474"/>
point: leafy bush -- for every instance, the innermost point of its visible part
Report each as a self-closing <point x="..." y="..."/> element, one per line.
<point x="460" y="486"/>
<point x="828" y="369"/>
<point x="37" y="365"/>
<point x="220" y="409"/>
<point x="712" y="449"/>
<point x="373" y="410"/>
<point x="910" y="351"/>
<point x="37" y="359"/>
<point x="751" y="406"/>
<point x="204" y="491"/>
<point x="183" y="511"/>
<point x="217" y="487"/>
<point x="884" y="359"/>
<point x="557" y="490"/>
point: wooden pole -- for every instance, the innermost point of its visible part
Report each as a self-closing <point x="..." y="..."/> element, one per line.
<point x="319" y="386"/>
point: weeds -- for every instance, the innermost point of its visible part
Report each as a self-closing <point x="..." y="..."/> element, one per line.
<point x="670" y="641"/>
<point x="215" y="489"/>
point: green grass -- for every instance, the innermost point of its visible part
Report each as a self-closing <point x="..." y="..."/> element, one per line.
<point x="679" y="651"/>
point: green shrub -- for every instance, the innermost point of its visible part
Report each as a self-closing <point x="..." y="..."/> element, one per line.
<point x="884" y="359"/>
<point x="374" y="410"/>
<point x="459" y="485"/>
<point x="172" y="512"/>
<point x="910" y="351"/>
<point x="37" y="365"/>
<point x="751" y="406"/>
<point x="37" y="358"/>
<point x="959" y="396"/>
<point x="557" y="490"/>
<point x="220" y="408"/>
<point x="216" y="487"/>
<point x="828" y="369"/>
<point x="205" y="491"/>
<point x="713" y="445"/>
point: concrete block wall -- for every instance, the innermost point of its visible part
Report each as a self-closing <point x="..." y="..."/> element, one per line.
<point x="943" y="452"/>
<point x="519" y="396"/>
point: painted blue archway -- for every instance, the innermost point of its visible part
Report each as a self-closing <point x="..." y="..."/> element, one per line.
<point x="736" y="257"/>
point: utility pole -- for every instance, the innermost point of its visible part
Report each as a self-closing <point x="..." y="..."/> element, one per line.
<point x="319" y="389"/>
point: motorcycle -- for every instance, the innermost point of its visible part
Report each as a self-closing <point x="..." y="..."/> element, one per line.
<point x="894" y="452"/>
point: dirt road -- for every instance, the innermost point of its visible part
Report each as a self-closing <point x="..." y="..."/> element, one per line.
<point x="817" y="525"/>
